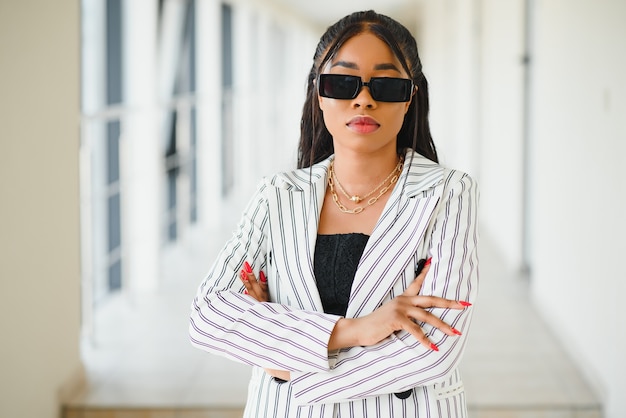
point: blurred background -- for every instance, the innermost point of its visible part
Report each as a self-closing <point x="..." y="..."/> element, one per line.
<point x="134" y="131"/>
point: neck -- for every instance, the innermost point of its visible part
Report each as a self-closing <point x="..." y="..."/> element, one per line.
<point x="359" y="174"/>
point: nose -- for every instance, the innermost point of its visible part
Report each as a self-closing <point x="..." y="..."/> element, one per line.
<point x="364" y="99"/>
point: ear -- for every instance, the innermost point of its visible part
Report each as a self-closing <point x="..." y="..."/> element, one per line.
<point x="320" y="101"/>
<point x="408" y="104"/>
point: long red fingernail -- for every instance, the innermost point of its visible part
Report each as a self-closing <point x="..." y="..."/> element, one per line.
<point x="456" y="331"/>
<point x="245" y="292"/>
<point x="243" y="276"/>
<point x="462" y="302"/>
<point x="434" y="347"/>
<point x="247" y="267"/>
<point x="262" y="276"/>
<point x="427" y="263"/>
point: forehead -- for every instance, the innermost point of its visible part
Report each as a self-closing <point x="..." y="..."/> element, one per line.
<point x="366" y="51"/>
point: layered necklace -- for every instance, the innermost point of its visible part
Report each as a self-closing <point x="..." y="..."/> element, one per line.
<point x="378" y="191"/>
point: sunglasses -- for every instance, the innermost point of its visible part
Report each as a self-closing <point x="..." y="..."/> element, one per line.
<point x="382" y="89"/>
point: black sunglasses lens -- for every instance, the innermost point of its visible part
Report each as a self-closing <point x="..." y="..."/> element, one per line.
<point x="383" y="89"/>
<point x="338" y="86"/>
<point x="391" y="89"/>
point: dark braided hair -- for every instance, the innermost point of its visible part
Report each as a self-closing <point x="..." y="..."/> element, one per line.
<point x="316" y="143"/>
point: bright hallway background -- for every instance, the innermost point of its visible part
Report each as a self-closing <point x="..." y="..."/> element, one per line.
<point x="135" y="130"/>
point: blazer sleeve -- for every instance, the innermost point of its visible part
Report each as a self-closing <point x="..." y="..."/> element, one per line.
<point x="399" y="362"/>
<point x="226" y="322"/>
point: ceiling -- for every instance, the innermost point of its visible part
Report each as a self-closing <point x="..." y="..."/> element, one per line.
<point x="324" y="12"/>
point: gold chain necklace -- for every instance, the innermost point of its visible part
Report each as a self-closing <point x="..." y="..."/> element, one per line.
<point x="356" y="198"/>
<point x="332" y="179"/>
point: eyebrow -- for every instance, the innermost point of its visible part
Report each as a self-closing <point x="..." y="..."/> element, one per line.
<point x="352" y="65"/>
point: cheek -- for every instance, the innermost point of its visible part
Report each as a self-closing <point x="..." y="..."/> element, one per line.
<point x="396" y="119"/>
<point x="331" y="112"/>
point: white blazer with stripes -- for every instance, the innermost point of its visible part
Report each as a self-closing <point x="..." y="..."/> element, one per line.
<point x="430" y="213"/>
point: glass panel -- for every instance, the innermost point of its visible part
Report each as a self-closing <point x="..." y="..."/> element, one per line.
<point x="227" y="102"/>
<point x="113" y="151"/>
<point x="227" y="46"/>
<point x="115" y="276"/>
<point x="193" y="170"/>
<point x="114" y="222"/>
<point x="114" y="51"/>
<point x="171" y="204"/>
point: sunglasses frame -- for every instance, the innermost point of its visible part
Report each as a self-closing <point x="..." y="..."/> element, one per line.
<point x="360" y="84"/>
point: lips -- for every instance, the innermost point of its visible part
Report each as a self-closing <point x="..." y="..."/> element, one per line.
<point x="363" y="124"/>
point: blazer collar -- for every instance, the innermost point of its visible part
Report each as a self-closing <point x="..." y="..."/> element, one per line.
<point x="418" y="174"/>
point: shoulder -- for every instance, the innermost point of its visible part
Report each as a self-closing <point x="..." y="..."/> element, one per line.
<point x="457" y="179"/>
<point x="424" y="174"/>
<point x="461" y="188"/>
<point x="298" y="179"/>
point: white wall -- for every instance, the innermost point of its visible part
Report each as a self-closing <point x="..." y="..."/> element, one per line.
<point x="472" y="51"/>
<point x="502" y="130"/>
<point x="578" y="187"/>
<point x="448" y="41"/>
<point x="39" y="214"/>
<point x="577" y="191"/>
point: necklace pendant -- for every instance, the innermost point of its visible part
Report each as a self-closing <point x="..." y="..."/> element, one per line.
<point x="356" y="199"/>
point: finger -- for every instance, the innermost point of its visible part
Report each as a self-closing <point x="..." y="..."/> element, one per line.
<point x="421" y="315"/>
<point x="263" y="285"/>
<point x="262" y="280"/>
<point x="249" y="278"/>
<point x="419" y="335"/>
<point x="258" y="289"/>
<point x="243" y="276"/>
<point x="415" y="287"/>
<point x="255" y="288"/>
<point x="437" y="302"/>
<point x="247" y="275"/>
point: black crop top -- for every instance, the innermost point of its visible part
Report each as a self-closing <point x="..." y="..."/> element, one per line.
<point x="336" y="259"/>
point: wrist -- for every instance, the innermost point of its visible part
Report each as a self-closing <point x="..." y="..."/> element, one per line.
<point x="344" y="334"/>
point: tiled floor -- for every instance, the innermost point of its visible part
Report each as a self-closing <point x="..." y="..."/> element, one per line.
<point x="141" y="365"/>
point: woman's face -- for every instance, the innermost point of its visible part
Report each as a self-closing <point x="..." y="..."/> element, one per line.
<point x="364" y="56"/>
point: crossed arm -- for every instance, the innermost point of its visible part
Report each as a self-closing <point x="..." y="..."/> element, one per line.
<point x="401" y="313"/>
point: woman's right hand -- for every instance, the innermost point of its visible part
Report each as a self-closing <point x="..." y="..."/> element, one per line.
<point x="256" y="288"/>
<point x="401" y="313"/>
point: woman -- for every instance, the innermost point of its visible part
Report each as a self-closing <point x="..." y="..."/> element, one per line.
<point x="337" y="323"/>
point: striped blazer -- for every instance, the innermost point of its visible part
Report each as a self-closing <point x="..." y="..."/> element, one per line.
<point x="431" y="212"/>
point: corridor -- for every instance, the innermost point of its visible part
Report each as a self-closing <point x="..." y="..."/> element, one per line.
<point x="123" y="129"/>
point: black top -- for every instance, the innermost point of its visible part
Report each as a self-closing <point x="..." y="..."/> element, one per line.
<point x="336" y="259"/>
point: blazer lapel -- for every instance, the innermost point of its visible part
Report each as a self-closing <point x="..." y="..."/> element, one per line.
<point x="294" y="211"/>
<point x="397" y="235"/>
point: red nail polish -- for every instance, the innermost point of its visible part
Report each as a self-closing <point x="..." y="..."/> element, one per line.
<point x="427" y="263"/>
<point x="262" y="276"/>
<point x="462" y="302"/>
<point x="247" y="267"/>
<point x="243" y="276"/>
<point x="434" y="347"/>
<point x="245" y="292"/>
<point x="456" y="331"/>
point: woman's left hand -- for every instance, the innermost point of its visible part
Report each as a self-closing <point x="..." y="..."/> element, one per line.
<point x="258" y="290"/>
